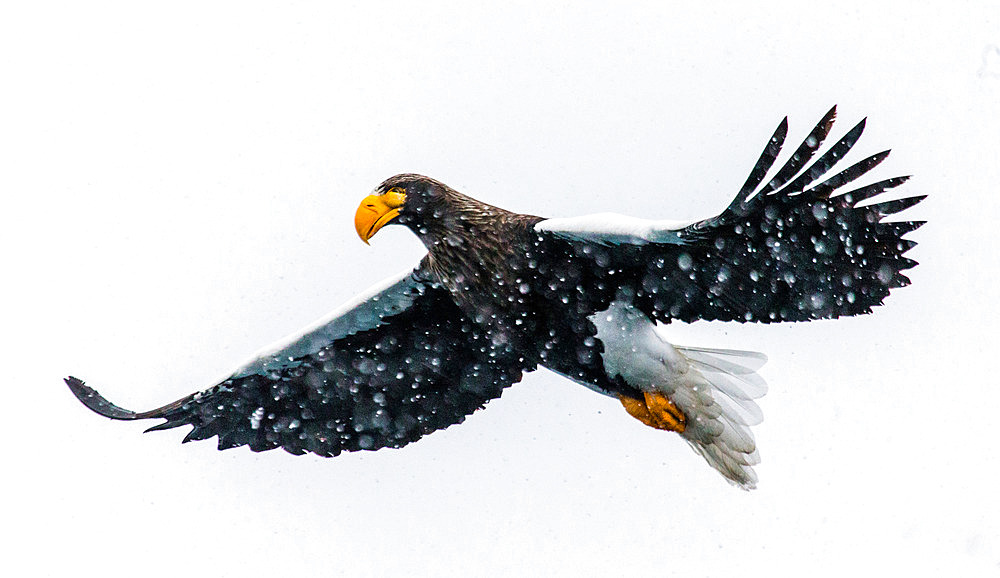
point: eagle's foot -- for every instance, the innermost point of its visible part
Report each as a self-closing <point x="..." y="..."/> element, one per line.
<point x="655" y="410"/>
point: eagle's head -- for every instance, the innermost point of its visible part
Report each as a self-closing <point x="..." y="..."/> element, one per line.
<point x="412" y="200"/>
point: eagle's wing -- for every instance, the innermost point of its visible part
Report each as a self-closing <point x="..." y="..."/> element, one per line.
<point x="398" y="362"/>
<point x="784" y="251"/>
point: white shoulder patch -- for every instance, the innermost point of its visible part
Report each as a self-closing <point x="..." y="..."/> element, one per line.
<point x="614" y="229"/>
<point x="363" y="312"/>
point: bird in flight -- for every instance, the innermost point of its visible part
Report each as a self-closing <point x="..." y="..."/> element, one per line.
<point x="500" y="293"/>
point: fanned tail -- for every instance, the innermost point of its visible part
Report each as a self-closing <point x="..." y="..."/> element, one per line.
<point x="720" y="409"/>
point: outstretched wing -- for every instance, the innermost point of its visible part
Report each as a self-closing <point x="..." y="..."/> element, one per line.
<point x="784" y="251"/>
<point x="399" y="362"/>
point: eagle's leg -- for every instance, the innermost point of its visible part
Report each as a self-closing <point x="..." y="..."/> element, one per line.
<point x="704" y="395"/>
<point x="655" y="410"/>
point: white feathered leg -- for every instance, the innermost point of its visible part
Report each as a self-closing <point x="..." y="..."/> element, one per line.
<point x="713" y="388"/>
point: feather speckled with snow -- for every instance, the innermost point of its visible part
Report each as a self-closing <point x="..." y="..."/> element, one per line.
<point x="500" y="293"/>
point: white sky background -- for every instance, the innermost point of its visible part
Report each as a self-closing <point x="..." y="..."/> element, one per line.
<point x="179" y="186"/>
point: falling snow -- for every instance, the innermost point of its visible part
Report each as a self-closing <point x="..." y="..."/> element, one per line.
<point x="501" y="294"/>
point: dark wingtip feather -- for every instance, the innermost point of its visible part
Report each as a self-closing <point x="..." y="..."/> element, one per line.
<point x="856" y="196"/>
<point x="169" y="424"/>
<point x="854" y="134"/>
<point x="847" y="175"/>
<point x="898" y="205"/>
<point x="806" y="150"/>
<point x="829" y="118"/>
<point x="764" y="163"/>
<point x="876" y="159"/>
<point x="826" y="123"/>
<point x="96" y="402"/>
<point x="824" y="163"/>
<point x="899" y="281"/>
<point x="898" y="228"/>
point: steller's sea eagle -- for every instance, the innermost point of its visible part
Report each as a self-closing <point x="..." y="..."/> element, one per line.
<point x="500" y="293"/>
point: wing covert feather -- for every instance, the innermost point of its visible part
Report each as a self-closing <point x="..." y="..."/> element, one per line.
<point x="418" y="370"/>
<point x="786" y="252"/>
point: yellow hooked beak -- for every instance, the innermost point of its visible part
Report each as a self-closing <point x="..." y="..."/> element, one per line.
<point x="376" y="211"/>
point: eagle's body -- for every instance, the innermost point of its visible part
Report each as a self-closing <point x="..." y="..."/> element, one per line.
<point x="500" y="293"/>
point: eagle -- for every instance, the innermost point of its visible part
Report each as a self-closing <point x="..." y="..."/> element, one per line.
<point x="499" y="294"/>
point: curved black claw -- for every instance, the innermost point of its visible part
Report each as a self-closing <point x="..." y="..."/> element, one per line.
<point x="96" y="402"/>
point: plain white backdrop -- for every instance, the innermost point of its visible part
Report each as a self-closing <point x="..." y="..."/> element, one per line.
<point x="179" y="184"/>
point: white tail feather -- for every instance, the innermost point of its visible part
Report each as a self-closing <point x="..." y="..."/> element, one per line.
<point x="734" y="361"/>
<point x="720" y="409"/>
<point x="713" y="388"/>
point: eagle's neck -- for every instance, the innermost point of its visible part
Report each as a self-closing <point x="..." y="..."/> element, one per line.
<point x="469" y="241"/>
<point x="477" y="252"/>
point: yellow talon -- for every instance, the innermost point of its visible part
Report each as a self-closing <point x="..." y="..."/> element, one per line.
<point x="655" y="410"/>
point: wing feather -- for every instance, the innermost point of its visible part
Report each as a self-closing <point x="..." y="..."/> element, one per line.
<point x="851" y="173"/>
<point x="399" y="363"/>
<point x="804" y="153"/>
<point x="764" y="163"/>
<point x="365" y="311"/>
<point x="826" y="161"/>
<point x="784" y="252"/>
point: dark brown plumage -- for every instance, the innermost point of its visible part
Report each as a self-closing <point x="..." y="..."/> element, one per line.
<point x="500" y="293"/>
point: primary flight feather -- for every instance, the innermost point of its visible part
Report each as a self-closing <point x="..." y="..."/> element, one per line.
<point x="500" y="293"/>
